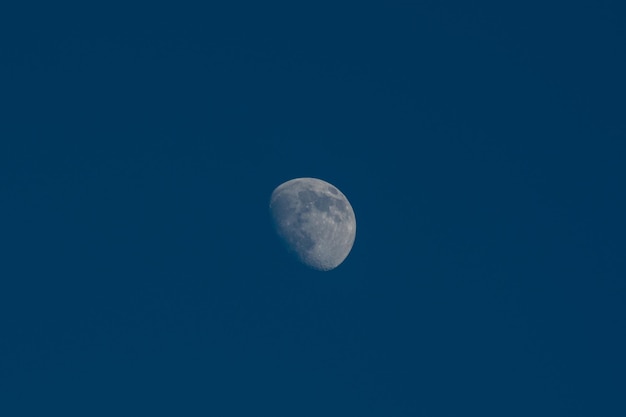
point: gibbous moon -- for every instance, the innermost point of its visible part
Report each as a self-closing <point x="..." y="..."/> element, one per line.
<point x="315" y="221"/>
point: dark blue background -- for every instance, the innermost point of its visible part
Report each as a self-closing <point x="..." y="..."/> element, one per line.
<point x="482" y="145"/>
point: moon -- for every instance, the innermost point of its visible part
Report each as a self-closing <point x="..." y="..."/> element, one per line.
<point x="315" y="221"/>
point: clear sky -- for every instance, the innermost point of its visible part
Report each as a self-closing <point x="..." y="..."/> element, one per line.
<point x="481" y="144"/>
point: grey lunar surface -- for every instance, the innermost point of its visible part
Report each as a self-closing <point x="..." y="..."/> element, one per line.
<point x="315" y="220"/>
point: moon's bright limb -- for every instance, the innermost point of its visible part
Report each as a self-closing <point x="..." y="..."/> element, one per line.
<point x="315" y="220"/>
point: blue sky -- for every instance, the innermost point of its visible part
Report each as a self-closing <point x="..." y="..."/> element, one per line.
<point x="481" y="146"/>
